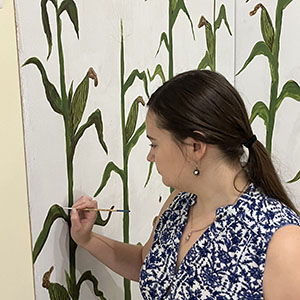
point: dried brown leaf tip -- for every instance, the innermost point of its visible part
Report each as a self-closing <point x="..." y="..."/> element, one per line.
<point x="202" y="22"/>
<point x="256" y="8"/>
<point x="46" y="278"/>
<point x="140" y="99"/>
<point x="93" y="75"/>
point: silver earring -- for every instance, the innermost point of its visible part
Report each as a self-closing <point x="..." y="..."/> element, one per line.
<point x="196" y="171"/>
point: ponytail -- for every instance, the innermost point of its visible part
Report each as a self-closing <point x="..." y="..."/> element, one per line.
<point x="204" y="101"/>
<point x="262" y="173"/>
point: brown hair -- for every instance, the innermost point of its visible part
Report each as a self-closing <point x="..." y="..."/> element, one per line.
<point x="205" y="101"/>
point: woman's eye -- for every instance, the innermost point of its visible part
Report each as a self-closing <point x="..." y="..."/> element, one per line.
<point x="152" y="145"/>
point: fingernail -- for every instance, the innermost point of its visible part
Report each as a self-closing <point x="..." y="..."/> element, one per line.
<point x="74" y="210"/>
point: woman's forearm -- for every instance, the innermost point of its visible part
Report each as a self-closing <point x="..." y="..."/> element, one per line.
<point x="124" y="259"/>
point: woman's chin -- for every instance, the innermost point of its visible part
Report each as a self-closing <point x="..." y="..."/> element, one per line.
<point x="166" y="182"/>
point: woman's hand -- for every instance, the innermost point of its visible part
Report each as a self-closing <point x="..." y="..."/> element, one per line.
<point x="83" y="221"/>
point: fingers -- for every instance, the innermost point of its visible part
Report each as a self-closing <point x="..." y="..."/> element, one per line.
<point x="85" y="202"/>
<point x="75" y="220"/>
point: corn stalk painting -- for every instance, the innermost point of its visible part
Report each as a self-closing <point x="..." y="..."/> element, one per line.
<point x="71" y="107"/>
<point x="270" y="47"/>
<point x="175" y="6"/>
<point x="130" y="137"/>
<point x="209" y="59"/>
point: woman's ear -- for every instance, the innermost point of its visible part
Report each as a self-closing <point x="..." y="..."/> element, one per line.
<point x="199" y="149"/>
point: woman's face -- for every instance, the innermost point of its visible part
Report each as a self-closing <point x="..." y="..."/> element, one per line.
<point x="169" y="159"/>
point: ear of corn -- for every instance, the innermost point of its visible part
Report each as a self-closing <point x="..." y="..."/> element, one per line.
<point x="267" y="28"/>
<point x="270" y="48"/>
<point x="132" y="118"/>
<point x="209" y="59"/>
<point x="72" y="107"/>
<point x="58" y="292"/>
<point x="78" y="102"/>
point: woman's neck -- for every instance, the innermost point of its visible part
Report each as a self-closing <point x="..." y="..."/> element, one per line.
<point x="218" y="188"/>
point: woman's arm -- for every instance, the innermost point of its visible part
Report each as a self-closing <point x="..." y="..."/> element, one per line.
<point x="282" y="269"/>
<point x="124" y="259"/>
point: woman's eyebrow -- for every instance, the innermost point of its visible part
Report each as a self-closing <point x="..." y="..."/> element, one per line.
<point x="150" y="138"/>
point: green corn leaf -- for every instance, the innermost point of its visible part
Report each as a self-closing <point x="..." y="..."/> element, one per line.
<point x="70" y="7"/>
<point x="111" y="166"/>
<point x="102" y="222"/>
<point x="132" y="118"/>
<point x="163" y="38"/>
<point x="141" y="75"/>
<point x="89" y="276"/>
<point x="267" y="28"/>
<point x="94" y="119"/>
<point x="158" y="72"/>
<point x="58" y="292"/>
<point x="70" y="95"/>
<point x="296" y="178"/>
<point x="72" y="288"/>
<point x="260" y="109"/>
<point x="149" y="173"/>
<point x="260" y="48"/>
<point x="132" y="142"/>
<point x="79" y="102"/>
<point x="205" y="62"/>
<point x="54" y="213"/>
<point x="46" y="23"/>
<point x="290" y="89"/>
<point x="282" y="4"/>
<point x="50" y="90"/>
<point x="180" y="5"/>
<point x="222" y="16"/>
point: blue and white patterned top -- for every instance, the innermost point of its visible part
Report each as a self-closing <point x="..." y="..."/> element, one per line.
<point x="227" y="262"/>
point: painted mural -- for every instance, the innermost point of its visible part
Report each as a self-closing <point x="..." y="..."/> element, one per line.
<point x="280" y="90"/>
<point x="87" y="70"/>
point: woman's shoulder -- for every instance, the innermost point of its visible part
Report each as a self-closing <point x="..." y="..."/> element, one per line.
<point x="266" y="214"/>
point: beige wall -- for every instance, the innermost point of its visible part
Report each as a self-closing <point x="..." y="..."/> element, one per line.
<point x="16" y="275"/>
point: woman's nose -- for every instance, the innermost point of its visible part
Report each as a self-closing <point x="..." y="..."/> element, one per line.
<point x="150" y="156"/>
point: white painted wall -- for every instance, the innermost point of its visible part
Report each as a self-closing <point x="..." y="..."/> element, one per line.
<point x="99" y="47"/>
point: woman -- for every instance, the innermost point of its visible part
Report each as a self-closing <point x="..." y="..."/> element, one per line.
<point x="229" y="230"/>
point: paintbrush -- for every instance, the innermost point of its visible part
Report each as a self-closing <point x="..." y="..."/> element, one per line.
<point x="101" y="209"/>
